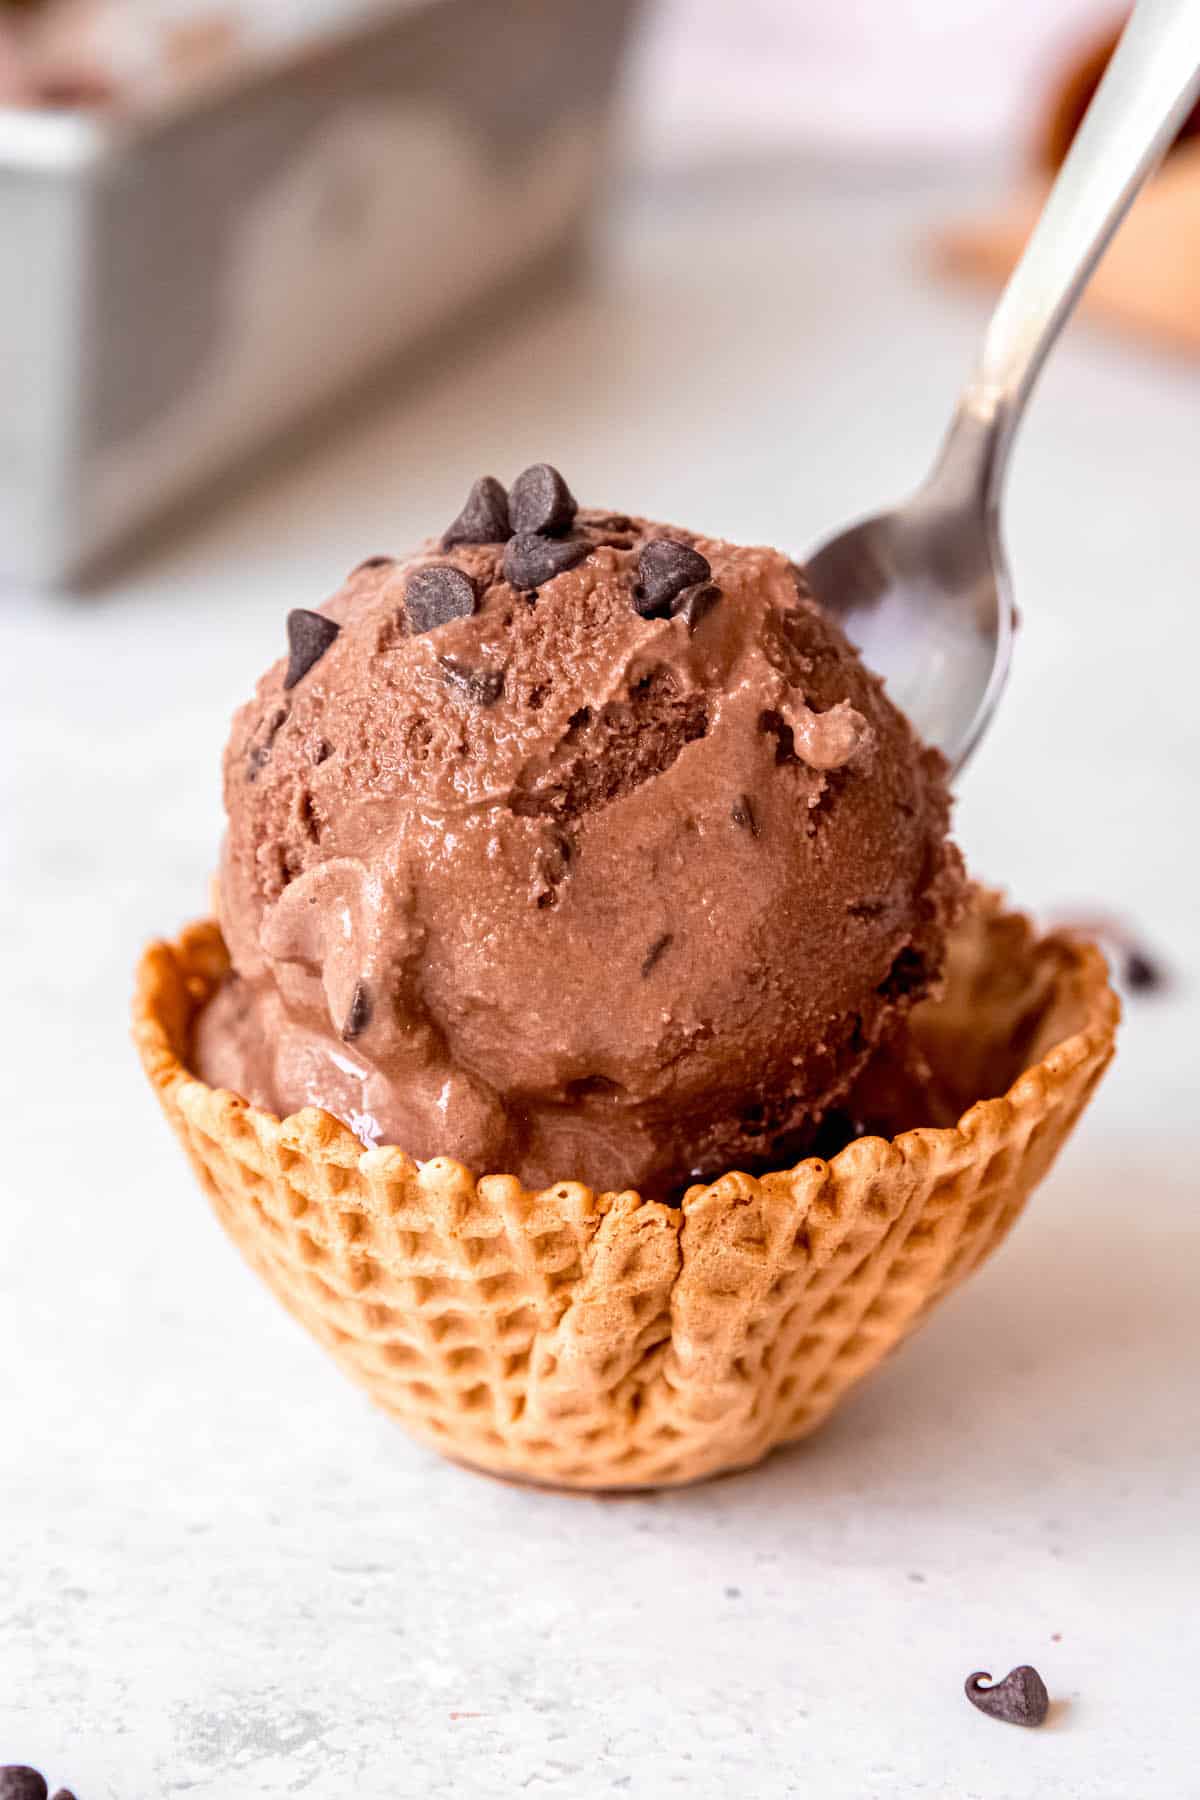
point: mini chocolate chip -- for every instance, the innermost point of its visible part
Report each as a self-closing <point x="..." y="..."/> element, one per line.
<point x="742" y="814"/>
<point x="665" y="569"/>
<point x="436" y="595"/>
<point x="656" y="952"/>
<point x="372" y="562"/>
<point x="1142" y="974"/>
<point x="484" y="518"/>
<point x="530" y="560"/>
<point x="62" y="1794"/>
<point x="359" y="1016"/>
<point x="309" y="637"/>
<point x="695" y="603"/>
<point x="18" y="1782"/>
<point x="1020" y="1699"/>
<point x="541" y="501"/>
<point x="484" y="686"/>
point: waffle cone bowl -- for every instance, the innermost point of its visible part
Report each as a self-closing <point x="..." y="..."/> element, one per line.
<point x="605" y="1341"/>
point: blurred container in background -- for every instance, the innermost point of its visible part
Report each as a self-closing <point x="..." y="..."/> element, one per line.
<point x="184" y="278"/>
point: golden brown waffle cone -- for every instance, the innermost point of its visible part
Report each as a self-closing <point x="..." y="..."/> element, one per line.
<point x="603" y="1341"/>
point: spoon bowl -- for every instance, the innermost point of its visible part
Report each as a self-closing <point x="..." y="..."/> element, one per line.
<point x="924" y="593"/>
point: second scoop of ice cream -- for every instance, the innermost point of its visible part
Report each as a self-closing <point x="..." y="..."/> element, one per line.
<point x="589" y="850"/>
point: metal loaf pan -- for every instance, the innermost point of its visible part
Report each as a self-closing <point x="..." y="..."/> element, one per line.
<point x="179" y="289"/>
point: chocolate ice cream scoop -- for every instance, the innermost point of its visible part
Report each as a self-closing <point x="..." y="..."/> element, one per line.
<point x="544" y="862"/>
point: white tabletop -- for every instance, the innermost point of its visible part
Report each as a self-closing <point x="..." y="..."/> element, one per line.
<point x="222" y="1573"/>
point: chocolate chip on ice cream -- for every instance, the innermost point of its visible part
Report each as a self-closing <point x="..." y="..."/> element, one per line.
<point x="541" y="502"/>
<point x="665" y="568"/>
<point x="530" y="560"/>
<point x="484" y="519"/>
<point x="309" y="637"/>
<point x="437" y="594"/>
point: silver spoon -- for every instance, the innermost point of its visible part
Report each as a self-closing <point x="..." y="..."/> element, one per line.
<point x="924" y="590"/>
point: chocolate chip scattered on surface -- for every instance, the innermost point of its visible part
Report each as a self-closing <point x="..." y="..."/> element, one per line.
<point x="484" y="519"/>
<point x="437" y="594"/>
<point x="742" y="814"/>
<point x="530" y="560"/>
<point x="541" y="503"/>
<point x="483" y="686"/>
<point x="1020" y="1699"/>
<point x="1139" y="968"/>
<point x="19" y="1782"/>
<point x="372" y="562"/>
<point x="1141" y="974"/>
<point x="309" y="637"/>
<point x="665" y="569"/>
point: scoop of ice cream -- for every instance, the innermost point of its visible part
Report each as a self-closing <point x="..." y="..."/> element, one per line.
<point x="573" y="846"/>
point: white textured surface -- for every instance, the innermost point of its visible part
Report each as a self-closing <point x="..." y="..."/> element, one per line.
<point x="221" y="1574"/>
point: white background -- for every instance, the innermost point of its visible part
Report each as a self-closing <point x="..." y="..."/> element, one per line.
<point x="222" y="1574"/>
<point x="859" y="75"/>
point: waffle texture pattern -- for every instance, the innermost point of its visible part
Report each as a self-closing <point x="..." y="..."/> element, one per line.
<point x="604" y="1341"/>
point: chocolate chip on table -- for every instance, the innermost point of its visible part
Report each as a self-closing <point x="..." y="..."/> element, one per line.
<point x="742" y="814"/>
<point x="541" y="502"/>
<point x="656" y="952"/>
<point x="18" y="1782"/>
<point x="359" y="1016"/>
<point x="484" y="519"/>
<point x="1141" y="974"/>
<point x="483" y="686"/>
<point x="436" y="595"/>
<point x="1020" y="1699"/>
<point x="695" y="603"/>
<point x="309" y="637"/>
<point x="665" y="569"/>
<point x="1139" y="968"/>
<point x="62" y="1794"/>
<point x="530" y="560"/>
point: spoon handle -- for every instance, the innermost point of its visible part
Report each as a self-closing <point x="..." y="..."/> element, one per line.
<point x="1147" y="91"/>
